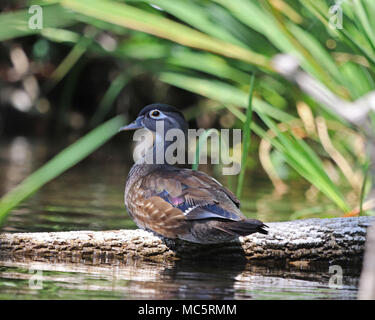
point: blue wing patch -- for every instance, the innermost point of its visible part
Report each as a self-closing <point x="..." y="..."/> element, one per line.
<point x="165" y="196"/>
<point x="194" y="211"/>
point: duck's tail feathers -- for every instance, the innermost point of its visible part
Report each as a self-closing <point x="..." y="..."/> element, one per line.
<point x="244" y="227"/>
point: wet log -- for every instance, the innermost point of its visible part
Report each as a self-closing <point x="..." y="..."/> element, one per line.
<point x="297" y="242"/>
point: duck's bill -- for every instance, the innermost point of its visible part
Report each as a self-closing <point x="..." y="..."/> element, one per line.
<point x="136" y="124"/>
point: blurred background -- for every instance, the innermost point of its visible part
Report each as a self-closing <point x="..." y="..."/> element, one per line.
<point x="73" y="71"/>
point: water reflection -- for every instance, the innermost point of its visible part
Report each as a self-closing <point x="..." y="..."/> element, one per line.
<point x="177" y="280"/>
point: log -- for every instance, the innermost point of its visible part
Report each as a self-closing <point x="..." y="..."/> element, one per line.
<point x="299" y="241"/>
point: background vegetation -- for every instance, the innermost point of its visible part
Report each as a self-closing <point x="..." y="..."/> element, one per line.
<point x="94" y="59"/>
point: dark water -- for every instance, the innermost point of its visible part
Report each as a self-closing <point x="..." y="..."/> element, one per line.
<point x="90" y="197"/>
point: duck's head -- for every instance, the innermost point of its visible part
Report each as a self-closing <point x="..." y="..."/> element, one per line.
<point x="154" y="113"/>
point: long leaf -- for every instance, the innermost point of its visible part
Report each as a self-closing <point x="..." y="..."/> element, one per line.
<point x="201" y="140"/>
<point x="246" y="140"/>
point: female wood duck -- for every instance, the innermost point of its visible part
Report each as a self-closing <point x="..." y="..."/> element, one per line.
<point x="181" y="203"/>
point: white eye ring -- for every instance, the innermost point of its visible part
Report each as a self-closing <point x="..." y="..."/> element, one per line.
<point x="156" y="114"/>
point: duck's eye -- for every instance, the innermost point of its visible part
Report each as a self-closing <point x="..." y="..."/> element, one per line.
<point x="155" y="114"/>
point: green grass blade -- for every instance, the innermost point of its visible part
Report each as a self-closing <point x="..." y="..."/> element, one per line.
<point x="208" y="63"/>
<point x="202" y="139"/>
<point x="251" y="14"/>
<point x="68" y="63"/>
<point x="364" y="22"/>
<point x="247" y="139"/>
<point x="313" y="45"/>
<point x="109" y="97"/>
<point x="363" y="188"/>
<point x="60" y="163"/>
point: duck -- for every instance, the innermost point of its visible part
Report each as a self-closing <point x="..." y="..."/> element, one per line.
<point x="180" y="203"/>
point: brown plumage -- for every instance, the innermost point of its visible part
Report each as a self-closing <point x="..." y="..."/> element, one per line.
<point x="182" y="203"/>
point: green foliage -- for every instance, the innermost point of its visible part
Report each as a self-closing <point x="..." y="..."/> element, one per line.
<point x="211" y="47"/>
<point x="301" y="157"/>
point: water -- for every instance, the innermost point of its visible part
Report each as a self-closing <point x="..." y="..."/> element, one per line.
<point x="178" y="280"/>
<point x="90" y="197"/>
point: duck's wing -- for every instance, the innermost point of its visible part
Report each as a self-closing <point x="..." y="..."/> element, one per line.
<point x="169" y="199"/>
<point x="195" y="194"/>
<point x="214" y="184"/>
